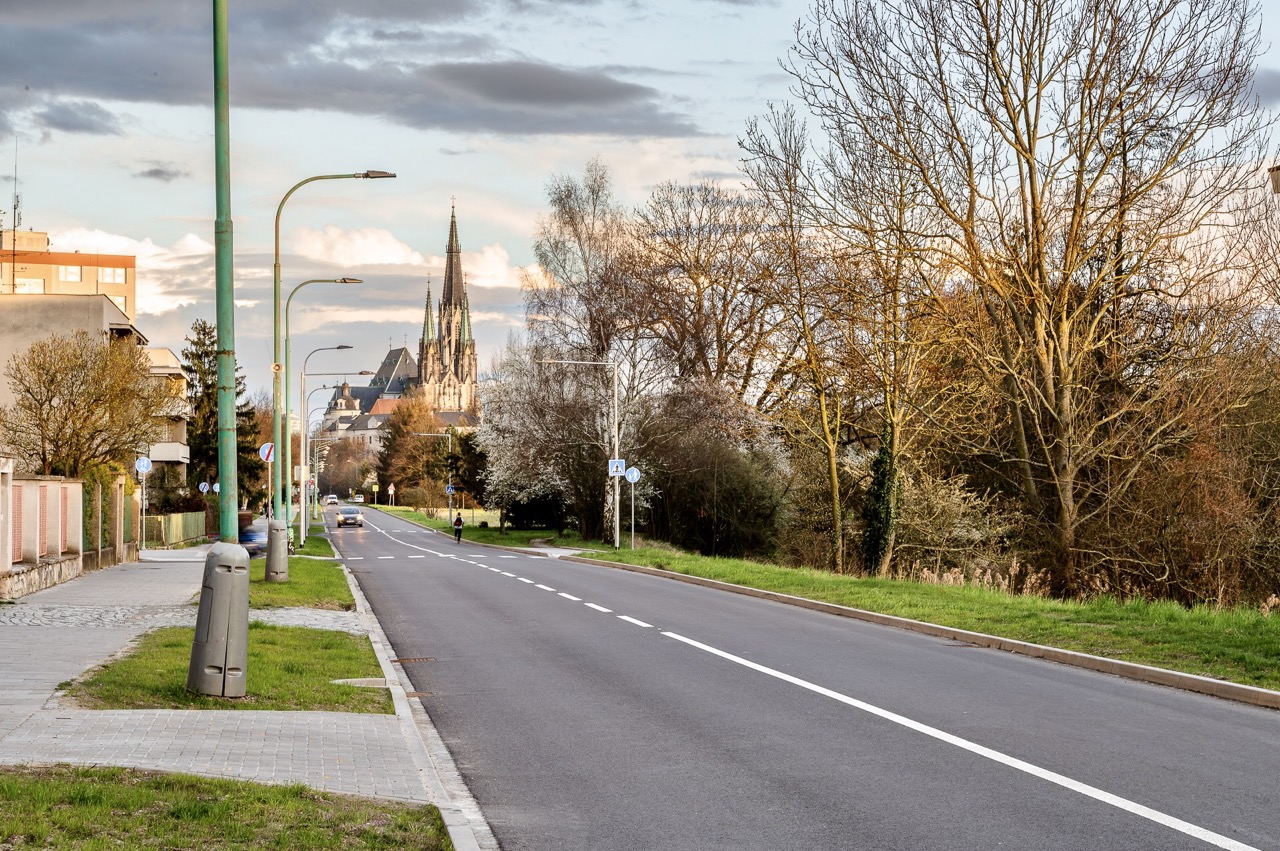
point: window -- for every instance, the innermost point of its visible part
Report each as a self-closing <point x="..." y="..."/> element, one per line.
<point x="69" y="273"/>
<point x="111" y="276"/>
<point x="28" y="285"/>
<point x="121" y="302"/>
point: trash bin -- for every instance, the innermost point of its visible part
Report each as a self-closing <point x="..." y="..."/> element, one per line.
<point x="220" y="652"/>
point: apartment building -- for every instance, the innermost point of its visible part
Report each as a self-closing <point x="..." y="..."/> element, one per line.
<point x="30" y="266"/>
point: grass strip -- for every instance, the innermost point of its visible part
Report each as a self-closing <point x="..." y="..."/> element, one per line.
<point x="289" y="668"/>
<point x="71" y="807"/>
<point x="491" y="535"/>
<point x="313" y="584"/>
<point x="316" y="544"/>
<point x="1238" y="645"/>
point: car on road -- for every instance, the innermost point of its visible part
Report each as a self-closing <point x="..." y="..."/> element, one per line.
<point x="331" y="499"/>
<point x="358" y="498"/>
<point x="254" y="539"/>
<point x="349" y="515"/>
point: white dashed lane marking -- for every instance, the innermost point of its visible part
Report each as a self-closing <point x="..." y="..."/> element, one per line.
<point x="599" y="608"/>
<point x="544" y="587"/>
<point x="571" y="597"/>
<point x="522" y="579"/>
<point x="630" y="619"/>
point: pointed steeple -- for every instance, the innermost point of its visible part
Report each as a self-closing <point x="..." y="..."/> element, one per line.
<point x="454" y="288"/>
<point x="466" y="320"/>
<point x="428" y="320"/>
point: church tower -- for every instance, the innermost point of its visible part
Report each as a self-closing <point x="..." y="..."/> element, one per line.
<point x="447" y="369"/>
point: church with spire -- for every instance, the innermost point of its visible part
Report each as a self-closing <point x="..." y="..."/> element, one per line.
<point x="447" y="368"/>
<point x="444" y="369"/>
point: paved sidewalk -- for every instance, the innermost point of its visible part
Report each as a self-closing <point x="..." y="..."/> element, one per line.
<point x="57" y="634"/>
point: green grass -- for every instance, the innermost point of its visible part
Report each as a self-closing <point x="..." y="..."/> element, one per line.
<point x="509" y="538"/>
<point x="1239" y="645"/>
<point x="289" y="668"/>
<point x="70" y="807"/>
<point x="312" y="584"/>
<point x="316" y="544"/>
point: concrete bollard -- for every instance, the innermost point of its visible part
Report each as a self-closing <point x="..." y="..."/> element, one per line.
<point x="277" y="551"/>
<point x="220" y="652"/>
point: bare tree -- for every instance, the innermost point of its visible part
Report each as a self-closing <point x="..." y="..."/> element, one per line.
<point x="1081" y="155"/>
<point x="702" y="269"/>
<point x="82" y="401"/>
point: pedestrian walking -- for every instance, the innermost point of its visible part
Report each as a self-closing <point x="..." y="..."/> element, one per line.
<point x="457" y="528"/>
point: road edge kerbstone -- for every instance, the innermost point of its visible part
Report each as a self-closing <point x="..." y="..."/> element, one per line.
<point x="1130" y="670"/>
<point x="462" y="818"/>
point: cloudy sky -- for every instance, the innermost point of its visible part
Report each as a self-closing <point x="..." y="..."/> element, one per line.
<point x="106" y="117"/>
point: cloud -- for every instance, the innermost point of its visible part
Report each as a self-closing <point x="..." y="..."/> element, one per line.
<point x="168" y="279"/>
<point x="372" y="63"/>
<point x="353" y="248"/>
<point x="78" y="117"/>
<point x="162" y="172"/>
<point x="1266" y="84"/>
<point x="490" y="268"/>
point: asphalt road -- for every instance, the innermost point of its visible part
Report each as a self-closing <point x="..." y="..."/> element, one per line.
<point x="596" y="709"/>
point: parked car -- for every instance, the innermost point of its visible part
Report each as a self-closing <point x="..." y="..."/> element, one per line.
<point x="358" y="498"/>
<point x="331" y="499"/>
<point x="349" y="515"/>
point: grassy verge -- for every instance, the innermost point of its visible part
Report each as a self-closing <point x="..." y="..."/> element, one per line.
<point x="490" y="535"/>
<point x="316" y="544"/>
<point x="1239" y="645"/>
<point x="69" y="807"/>
<point x="289" y="668"/>
<point x="312" y="584"/>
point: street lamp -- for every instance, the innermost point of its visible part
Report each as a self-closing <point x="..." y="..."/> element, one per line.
<point x="276" y="529"/>
<point x="287" y="454"/>
<point x="302" y="439"/>
<point x="617" y="511"/>
<point x="302" y="506"/>
<point x="449" y="471"/>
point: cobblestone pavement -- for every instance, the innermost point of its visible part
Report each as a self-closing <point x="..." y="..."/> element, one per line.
<point x="57" y="634"/>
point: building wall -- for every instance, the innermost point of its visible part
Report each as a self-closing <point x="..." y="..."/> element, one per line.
<point x="29" y="267"/>
<point x="26" y="319"/>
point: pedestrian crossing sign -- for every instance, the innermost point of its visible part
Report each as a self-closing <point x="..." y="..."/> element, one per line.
<point x="617" y="467"/>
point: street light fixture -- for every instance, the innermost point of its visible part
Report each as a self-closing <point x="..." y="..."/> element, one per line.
<point x="287" y="453"/>
<point x="617" y="509"/>
<point x="276" y="549"/>
<point x="302" y="506"/>
<point x="449" y="472"/>
<point x="302" y="447"/>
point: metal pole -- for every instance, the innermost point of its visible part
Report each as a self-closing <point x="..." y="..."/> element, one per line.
<point x="633" y="515"/>
<point x="229" y="493"/>
<point x="277" y="393"/>
<point x="617" y="507"/>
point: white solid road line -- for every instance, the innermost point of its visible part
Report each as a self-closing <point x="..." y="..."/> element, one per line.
<point x="1169" y="821"/>
<point x="599" y="608"/>
<point x="629" y="619"/>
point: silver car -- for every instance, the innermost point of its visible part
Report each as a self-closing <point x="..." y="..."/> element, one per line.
<point x="349" y="515"/>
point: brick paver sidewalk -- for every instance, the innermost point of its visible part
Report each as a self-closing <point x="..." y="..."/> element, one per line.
<point x="55" y="635"/>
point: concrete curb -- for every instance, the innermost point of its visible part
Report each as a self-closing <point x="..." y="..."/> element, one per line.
<point x="461" y="814"/>
<point x="1129" y="670"/>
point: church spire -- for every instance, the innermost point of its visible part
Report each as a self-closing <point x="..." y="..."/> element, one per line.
<point x="466" y="320"/>
<point x="428" y="320"/>
<point x="454" y="287"/>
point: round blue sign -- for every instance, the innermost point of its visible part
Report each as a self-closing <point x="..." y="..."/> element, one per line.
<point x="633" y="474"/>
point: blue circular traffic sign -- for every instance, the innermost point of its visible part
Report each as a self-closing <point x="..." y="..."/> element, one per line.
<point x="633" y="474"/>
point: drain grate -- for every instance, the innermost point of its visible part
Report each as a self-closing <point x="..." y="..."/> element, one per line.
<point x="415" y="659"/>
